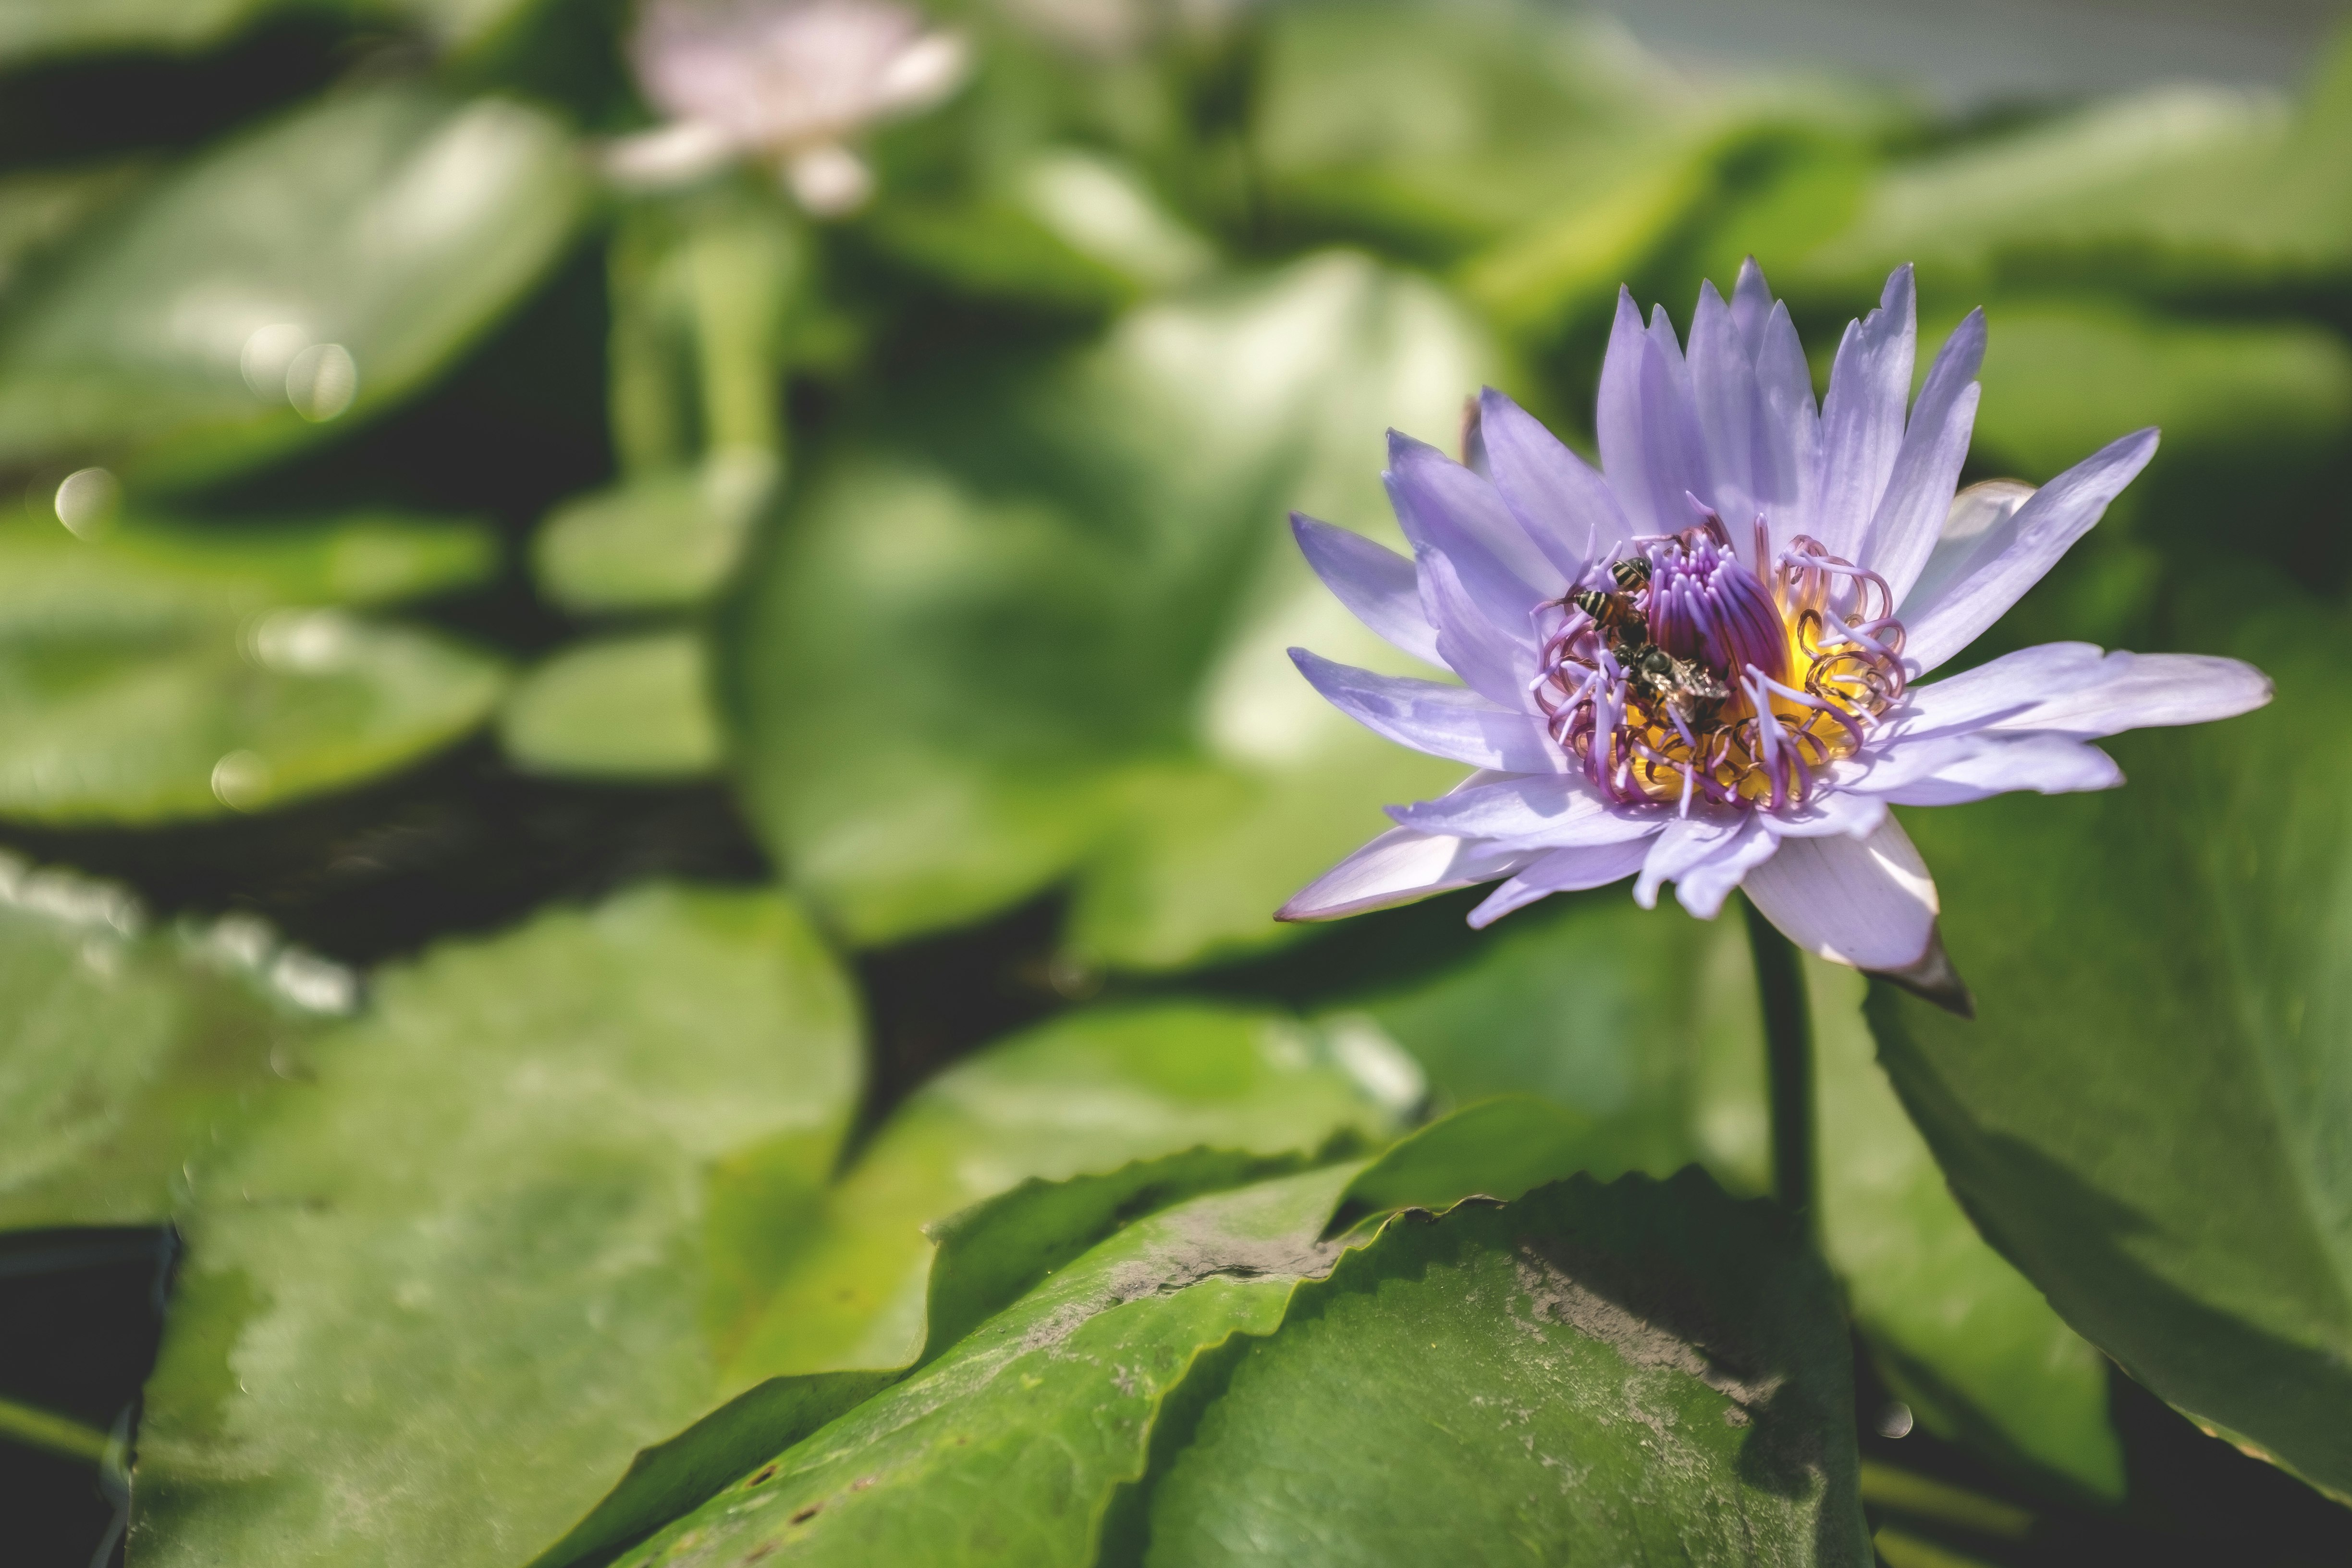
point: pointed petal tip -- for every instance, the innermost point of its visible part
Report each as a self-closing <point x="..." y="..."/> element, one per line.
<point x="1931" y="977"/>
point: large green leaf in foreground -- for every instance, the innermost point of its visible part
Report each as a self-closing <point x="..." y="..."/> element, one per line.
<point x="1010" y="1448"/>
<point x="2147" y="1115"/>
<point x="124" y="1055"/>
<point x="297" y="277"/>
<point x="1032" y="626"/>
<point x="1088" y="1093"/>
<point x="161" y="671"/>
<point x="1636" y="1373"/>
<point x="437" y="1296"/>
<point x="1680" y="1357"/>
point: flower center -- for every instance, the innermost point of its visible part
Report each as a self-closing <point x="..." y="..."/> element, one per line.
<point x="1684" y="676"/>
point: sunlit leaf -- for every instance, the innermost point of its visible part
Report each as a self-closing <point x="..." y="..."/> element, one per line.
<point x="288" y="283"/>
<point x="1641" y="1022"/>
<point x="139" y="576"/>
<point x="988" y="1257"/>
<point x="1032" y="626"/>
<point x="445" y="1285"/>
<point x="1640" y="1372"/>
<point x="659" y="542"/>
<point x="2146" y="1115"/>
<point x="1089" y="1093"/>
<point x="1432" y="126"/>
<point x="634" y="707"/>
<point x="1640" y="1027"/>
<point x="127" y="1054"/>
<point x="34" y="29"/>
<point x="1964" y="1338"/>
<point x="2063" y="378"/>
<point x="1012" y="1447"/>
<point x="159" y="671"/>
<point x="2177" y="189"/>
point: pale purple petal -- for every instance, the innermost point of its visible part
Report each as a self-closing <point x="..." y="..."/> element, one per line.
<point x="1862" y="418"/>
<point x="1398" y="868"/>
<point x="1730" y="417"/>
<point x="1670" y="349"/>
<point x="1918" y="498"/>
<point x="1650" y="448"/>
<point x="1952" y="770"/>
<point x="1379" y="586"/>
<point x="1491" y="660"/>
<point x="1445" y="506"/>
<point x="1787" y="458"/>
<point x="1686" y="843"/>
<point x="1837" y="812"/>
<point x="1443" y="721"/>
<point x="1563" y="504"/>
<point x="1617" y="408"/>
<point x="1968" y="539"/>
<point x="2014" y="553"/>
<point x="1531" y="810"/>
<point x="1751" y="307"/>
<point x="1702" y="888"/>
<point x="1560" y="871"/>
<point x="1868" y="903"/>
<point x="2073" y="688"/>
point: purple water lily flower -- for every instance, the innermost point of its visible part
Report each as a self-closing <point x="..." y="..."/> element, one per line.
<point x="1703" y="664"/>
<point x="791" y="82"/>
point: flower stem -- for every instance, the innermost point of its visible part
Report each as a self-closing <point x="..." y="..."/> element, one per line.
<point x="51" y="1434"/>
<point x="1789" y="1063"/>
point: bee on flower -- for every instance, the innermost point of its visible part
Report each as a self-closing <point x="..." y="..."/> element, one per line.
<point x="788" y="83"/>
<point x="1705" y="663"/>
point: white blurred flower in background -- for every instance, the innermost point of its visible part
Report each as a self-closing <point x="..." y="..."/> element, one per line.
<point x="788" y="83"/>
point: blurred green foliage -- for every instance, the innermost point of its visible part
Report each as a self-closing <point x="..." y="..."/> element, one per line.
<point x="932" y="557"/>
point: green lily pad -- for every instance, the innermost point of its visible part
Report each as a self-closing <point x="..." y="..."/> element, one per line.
<point x="632" y="707"/>
<point x="141" y="576"/>
<point x="1012" y="1445"/>
<point x="209" y="720"/>
<point x="2175" y="190"/>
<point x="34" y="29"/>
<point x="158" y="671"/>
<point x="440" y="1291"/>
<point x="1088" y="1093"/>
<point x="1437" y="129"/>
<point x="988" y="1257"/>
<point x="1643" y="1023"/>
<point x="2146" y="1117"/>
<point x="1962" y="1337"/>
<point x="2064" y="377"/>
<point x="127" y="1053"/>
<point x="290" y="281"/>
<point x="1640" y="1372"/>
<point x="664" y="541"/>
<point x="1033" y="628"/>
